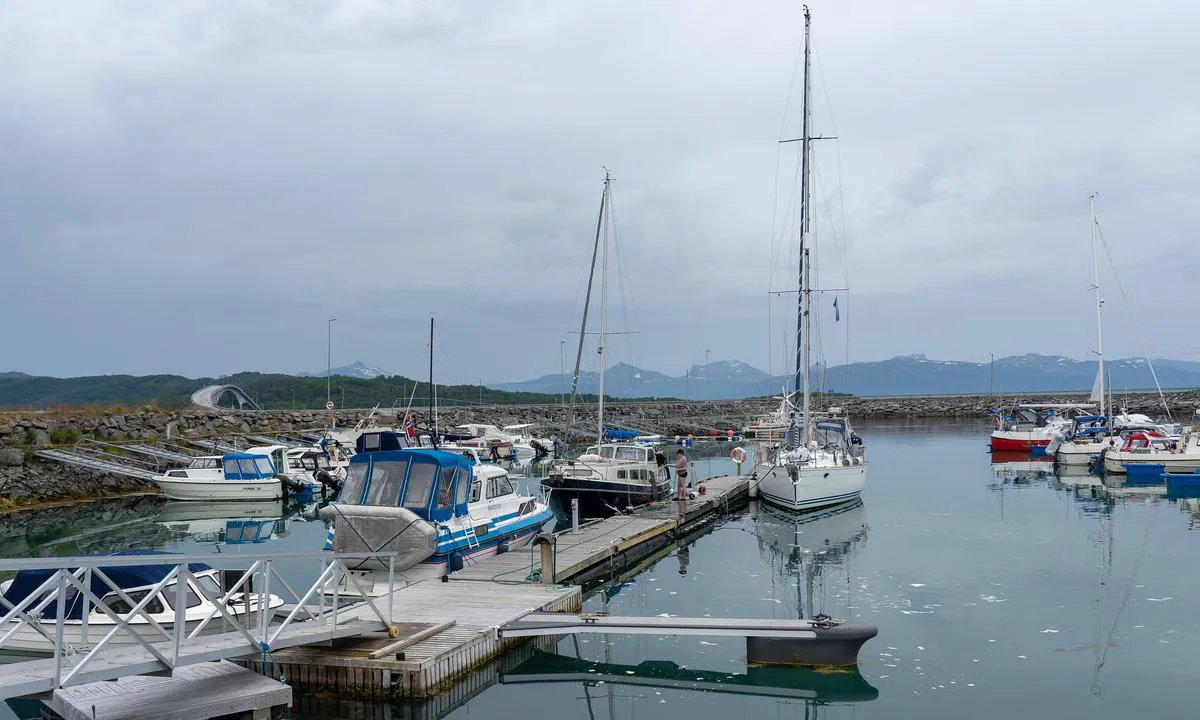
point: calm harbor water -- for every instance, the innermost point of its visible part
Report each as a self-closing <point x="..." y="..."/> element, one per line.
<point x="998" y="589"/>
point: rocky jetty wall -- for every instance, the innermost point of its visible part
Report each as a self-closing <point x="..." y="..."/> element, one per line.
<point x="26" y="479"/>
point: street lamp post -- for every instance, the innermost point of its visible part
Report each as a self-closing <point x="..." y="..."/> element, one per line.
<point x="562" y="372"/>
<point x="329" y="358"/>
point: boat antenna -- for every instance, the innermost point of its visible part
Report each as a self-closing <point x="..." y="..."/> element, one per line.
<point x="432" y="392"/>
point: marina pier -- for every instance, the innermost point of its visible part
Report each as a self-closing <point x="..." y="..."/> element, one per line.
<point x="412" y="642"/>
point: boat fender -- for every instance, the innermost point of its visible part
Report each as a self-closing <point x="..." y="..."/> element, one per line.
<point x="738" y="455"/>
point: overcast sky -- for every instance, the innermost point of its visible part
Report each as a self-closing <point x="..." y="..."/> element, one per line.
<point x="193" y="187"/>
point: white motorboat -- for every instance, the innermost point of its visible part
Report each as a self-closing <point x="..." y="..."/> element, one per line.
<point x="1151" y="448"/>
<point x="526" y="445"/>
<point x="433" y="510"/>
<point x="306" y="468"/>
<point x="240" y="476"/>
<point x="481" y="436"/>
<point x="137" y="582"/>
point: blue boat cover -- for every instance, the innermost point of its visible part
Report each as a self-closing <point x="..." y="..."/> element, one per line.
<point x="434" y="484"/>
<point x="125" y="577"/>
<point x="245" y="466"/>
<point x="615" y="434"/>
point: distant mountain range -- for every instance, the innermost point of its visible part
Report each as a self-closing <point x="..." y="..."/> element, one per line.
<point x="903" y="375"/>
<point x="361" y="385"/>
<point x="359" y="370"/>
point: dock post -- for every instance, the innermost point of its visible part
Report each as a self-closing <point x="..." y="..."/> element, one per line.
<point x="546" y="544"/>
<point x="574" y="514"/>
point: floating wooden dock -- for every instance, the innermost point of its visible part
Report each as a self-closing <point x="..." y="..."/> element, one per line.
<point x="453" y="627"/>
<point x="211" y="690"/>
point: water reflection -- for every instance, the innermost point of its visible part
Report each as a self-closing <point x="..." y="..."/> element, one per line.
<point x="787" y="683"/>
<point x="1021" y="468"/>
<point x="236" y="523"/>
<point x="810" y="548"/>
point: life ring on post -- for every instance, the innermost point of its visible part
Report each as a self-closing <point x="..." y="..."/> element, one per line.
<point x="738" y="455"/>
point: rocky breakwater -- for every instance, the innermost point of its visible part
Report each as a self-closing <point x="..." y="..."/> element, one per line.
<point x="26" y="479"/>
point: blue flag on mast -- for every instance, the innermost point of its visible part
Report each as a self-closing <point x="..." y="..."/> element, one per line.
<point x="837" y="314"/>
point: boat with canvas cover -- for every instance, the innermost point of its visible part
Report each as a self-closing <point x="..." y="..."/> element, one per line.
<point x="432" y="510"/>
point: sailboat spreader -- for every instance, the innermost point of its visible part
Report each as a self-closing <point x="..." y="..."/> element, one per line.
<point x="769" y="641"/>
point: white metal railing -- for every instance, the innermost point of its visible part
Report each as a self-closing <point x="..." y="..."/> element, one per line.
<point x="242" y="607"/>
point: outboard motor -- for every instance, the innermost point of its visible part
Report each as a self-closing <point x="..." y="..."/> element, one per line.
<point x="327" y="480"/>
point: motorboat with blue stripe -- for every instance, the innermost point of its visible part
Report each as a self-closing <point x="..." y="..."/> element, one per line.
<point x="432" y="510"/>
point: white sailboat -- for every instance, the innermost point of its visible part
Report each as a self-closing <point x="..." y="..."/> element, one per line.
<point x="821" y="461"/>
<point x="608" y="476"/>
<point x="1081" y="443"/>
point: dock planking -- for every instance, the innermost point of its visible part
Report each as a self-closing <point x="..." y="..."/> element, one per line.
<point x="596" y="543"/>
<point x="447" y="629"/>
<point x="212" y="690"/>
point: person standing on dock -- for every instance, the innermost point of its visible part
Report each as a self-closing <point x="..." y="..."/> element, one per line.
<point x="681" y="473"/>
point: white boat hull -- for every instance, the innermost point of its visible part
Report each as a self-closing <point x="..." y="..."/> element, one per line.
<point x="1115" y="461"/>
<point x="814" y="486"/>
<point x="1077" y="453"/>
<point x="187" y="489"/>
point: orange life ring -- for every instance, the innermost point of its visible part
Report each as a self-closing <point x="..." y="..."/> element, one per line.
<point x="737" y="455"/>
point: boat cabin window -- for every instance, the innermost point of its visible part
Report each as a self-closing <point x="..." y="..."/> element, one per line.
<point x="446" y="490"/>
<point x="464" y="488"/>
<point x="386" y="480"/>
<point x="420" y="482"/>
<point x="629" y="453"/>
<point x="499" y="486"/>
<point x="352" y="486"/>
<point x="607" y="452"/>
<point x="208" y="585"/>
<point x="190" y="597"/>
<point x="205" y="463"/>
<point x="370" y="441"/>
<point x="476" y="487"/>
<point x="118" y="605"/>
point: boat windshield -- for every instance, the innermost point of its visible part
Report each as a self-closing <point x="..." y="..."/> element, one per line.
<point x="630" y="453"/>
<point x="831" y="433"/>
<point x="352" y="486"/>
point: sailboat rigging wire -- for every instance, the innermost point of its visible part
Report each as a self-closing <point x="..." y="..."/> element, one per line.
<point x="837" y="147"/>
<point x="626" y="292"/>
<point x="1136" y="328"/>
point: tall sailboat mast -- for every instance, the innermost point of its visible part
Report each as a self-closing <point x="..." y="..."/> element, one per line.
<point x="803" y="327"/>
<point x="603" y="311"/>
<point x="1099" y="387"/>
<point x="587" y="298"/>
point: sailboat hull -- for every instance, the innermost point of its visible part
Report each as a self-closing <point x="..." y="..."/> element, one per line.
<point x="810" y="487"/>
<point x="599" y="498"/>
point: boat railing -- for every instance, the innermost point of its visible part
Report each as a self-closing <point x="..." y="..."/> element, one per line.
<point x="241" y="608"/>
